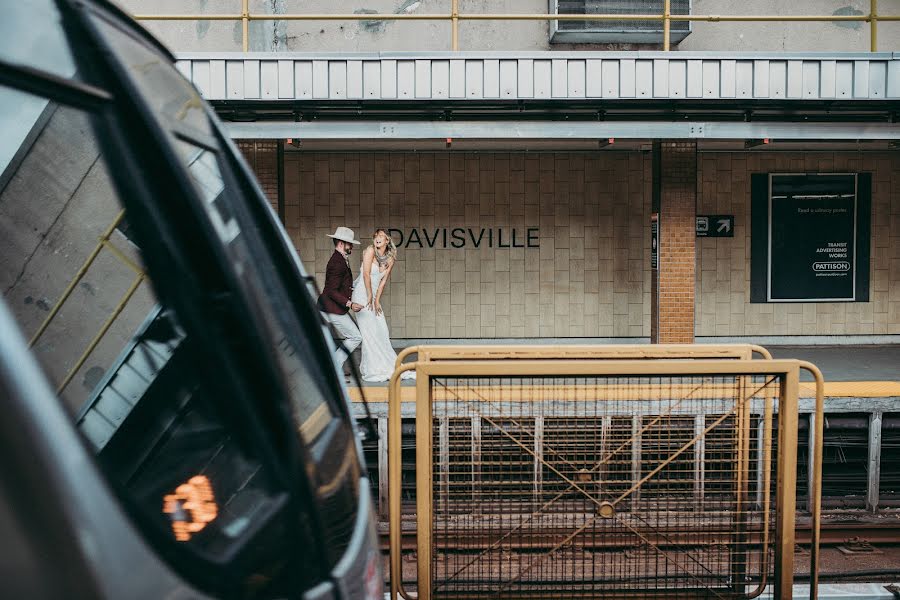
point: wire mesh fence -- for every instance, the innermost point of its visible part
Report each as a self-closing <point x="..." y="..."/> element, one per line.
<point x="603" y="486"/>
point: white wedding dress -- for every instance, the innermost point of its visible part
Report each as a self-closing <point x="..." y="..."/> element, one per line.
<point x="378" y="355"/>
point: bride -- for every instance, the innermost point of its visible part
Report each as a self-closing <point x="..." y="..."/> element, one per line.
<point x="378" y="355"/>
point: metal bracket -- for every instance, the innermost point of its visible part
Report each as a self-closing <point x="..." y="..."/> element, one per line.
<point x="858" y="545"/>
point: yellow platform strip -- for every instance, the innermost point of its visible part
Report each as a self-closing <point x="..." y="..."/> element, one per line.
<point x="835" y="389"/>
<point x="854" y="389"/>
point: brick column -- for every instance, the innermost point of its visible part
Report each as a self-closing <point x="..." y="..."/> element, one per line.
<point x="672" y="309"/>
<point x="264" y="159"/>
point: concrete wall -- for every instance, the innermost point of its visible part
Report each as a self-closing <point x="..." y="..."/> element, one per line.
<point x="354" y="36"/>
<point x="723" y="282"/>
<point x="587" y="278"/>
<point x="53" y="209"/>
<point x="787" y="36"/>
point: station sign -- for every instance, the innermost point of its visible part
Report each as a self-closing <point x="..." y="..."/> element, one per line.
<point x="715" y="225"/>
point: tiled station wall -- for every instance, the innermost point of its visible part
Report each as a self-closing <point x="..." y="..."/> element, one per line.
<point x="723" y="282"/>
<point x="588" y="278"/>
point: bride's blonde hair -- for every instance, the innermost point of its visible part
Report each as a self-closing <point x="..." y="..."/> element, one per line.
<point x="390" y="252"/>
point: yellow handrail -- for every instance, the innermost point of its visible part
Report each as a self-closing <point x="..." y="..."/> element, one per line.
<point x="454" y="16"/>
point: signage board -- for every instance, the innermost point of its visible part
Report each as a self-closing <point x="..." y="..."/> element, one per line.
<point x="816" y="238"/>
<point x="813" y="237"/>
<point x="715" y="225"/>
<point x="654" y="241"/>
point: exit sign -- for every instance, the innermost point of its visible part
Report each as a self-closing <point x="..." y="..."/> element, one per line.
<point x="715" y="225"/>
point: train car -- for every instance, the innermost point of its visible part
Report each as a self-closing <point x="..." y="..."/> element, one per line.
<point x="190" y="438"/>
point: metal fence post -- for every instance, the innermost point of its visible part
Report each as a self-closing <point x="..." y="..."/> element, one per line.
<point x="874" y="470"/>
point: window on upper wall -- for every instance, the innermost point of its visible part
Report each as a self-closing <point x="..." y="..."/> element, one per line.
<point x="639" y="32"/>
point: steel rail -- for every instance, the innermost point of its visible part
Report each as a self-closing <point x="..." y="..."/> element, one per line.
<point x="832" y="534"/>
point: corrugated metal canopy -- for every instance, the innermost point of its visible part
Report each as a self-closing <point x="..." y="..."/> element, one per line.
<point x="544" y="95"/>
<point x="551" y="76"/>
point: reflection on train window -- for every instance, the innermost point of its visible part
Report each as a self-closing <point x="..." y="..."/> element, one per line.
<point x="181" y="454"/>
<point x="204" y="169"/>
<point x="170" y="96"/>
<point x="148" y="408"/>
<point x="68" y="271"/>
<point x="42" y="44"/>
<point x="312" y="412"/>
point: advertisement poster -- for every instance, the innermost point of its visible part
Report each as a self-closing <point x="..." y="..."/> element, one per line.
<point x="813" y="237"/>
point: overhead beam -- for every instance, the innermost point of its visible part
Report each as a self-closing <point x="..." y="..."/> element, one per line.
<point x="556" y="130"/>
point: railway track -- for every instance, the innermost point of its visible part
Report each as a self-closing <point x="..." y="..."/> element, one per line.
<point x="832" y="534"/>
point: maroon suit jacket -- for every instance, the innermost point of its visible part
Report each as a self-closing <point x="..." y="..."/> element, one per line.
<point x="338" y="285"/>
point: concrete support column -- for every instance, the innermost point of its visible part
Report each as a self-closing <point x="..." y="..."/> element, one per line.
<point x="675" y="200"/>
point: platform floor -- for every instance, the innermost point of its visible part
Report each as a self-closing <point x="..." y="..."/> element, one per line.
<point x="849" y="371"/>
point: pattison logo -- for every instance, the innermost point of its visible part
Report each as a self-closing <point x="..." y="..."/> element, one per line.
<point x="831" y="266"/>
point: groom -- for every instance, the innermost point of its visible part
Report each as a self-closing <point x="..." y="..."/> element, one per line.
<point x="334" y="302"/>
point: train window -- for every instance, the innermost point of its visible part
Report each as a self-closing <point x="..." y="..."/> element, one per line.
<point x="311" y="410"/>
<point x="184" y="462"/>
<point x="170" y="96"/>
<point x="152" y="405"/>
<point x="203" y="167"/>
<point x="179" y="108"/>
<point x="328" y="439"/>
<point x="56" y="201"/>
<point x="32" y="35"/>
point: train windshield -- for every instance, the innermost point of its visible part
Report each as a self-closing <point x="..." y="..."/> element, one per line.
<point x="164" y="306"/>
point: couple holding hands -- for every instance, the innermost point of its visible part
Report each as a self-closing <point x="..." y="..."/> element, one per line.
<point x="342" y="296"/>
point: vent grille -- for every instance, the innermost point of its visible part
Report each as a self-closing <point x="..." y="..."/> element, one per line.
<point x="646" y="31"/>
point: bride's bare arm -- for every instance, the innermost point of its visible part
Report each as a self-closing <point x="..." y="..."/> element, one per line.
<point x="384" y="280"/>
<point x="368" y="257"/>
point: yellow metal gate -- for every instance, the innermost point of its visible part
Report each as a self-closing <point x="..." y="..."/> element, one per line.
<point x="589" y="478"/>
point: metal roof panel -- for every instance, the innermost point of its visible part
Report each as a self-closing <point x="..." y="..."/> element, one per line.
<point x="553" y="75"/>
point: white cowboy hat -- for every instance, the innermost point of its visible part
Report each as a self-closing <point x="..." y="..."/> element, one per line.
<point x="345" y="234"/>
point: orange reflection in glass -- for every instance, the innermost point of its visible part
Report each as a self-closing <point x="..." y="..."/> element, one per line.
<point x="191" y="507"/>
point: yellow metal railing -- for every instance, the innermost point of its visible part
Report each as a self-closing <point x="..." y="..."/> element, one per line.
<point x="454" y="16"/>
<point x="505" y="361"/>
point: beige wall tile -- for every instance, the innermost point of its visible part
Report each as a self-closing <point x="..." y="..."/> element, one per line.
<point x="588" y="247"/>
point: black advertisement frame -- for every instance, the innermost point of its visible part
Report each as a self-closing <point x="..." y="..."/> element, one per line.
<point x="761" y="226"/>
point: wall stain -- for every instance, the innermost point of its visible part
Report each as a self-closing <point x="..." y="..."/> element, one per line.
<point x="29" y="300"/>
<point x="87" y="287"/>
<point x="203" y="26"/>
<point x="279" y="28"/>
<point x="406" y="7"/>
<point x="43" y="304"/>
<point x="370" y="26"/>
<point x="92" y="377"/>
<point x="848" y="11"/>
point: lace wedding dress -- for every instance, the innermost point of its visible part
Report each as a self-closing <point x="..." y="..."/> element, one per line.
<point x="378" y="355"/>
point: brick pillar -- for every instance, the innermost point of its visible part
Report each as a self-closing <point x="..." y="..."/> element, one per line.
<point x="672" y="309"/>
<point x="264" y="159"/>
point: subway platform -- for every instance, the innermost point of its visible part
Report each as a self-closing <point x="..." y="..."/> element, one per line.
<point x="869" y="371"/>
